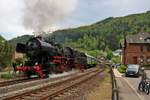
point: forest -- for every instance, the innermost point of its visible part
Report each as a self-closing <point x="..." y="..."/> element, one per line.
<point x="105" y="34"/>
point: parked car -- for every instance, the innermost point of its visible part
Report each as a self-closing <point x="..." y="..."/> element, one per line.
<point x="117" y="65"/>
<point x="132" y="70"/>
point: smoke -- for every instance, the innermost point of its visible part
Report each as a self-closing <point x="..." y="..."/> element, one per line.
<point x="42" y="14"/>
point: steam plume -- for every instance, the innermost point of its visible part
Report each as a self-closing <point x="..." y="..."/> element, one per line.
<point x="41" y="14"/>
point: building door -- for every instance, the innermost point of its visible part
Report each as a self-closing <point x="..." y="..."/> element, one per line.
<point x="135" y="60"/>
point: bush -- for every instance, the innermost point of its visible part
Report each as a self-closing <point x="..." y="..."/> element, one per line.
<point x="122" y="69"/>
<point x="147" y="66"/>
<point x="109" y="54"/>
<point x="95" y="53"/>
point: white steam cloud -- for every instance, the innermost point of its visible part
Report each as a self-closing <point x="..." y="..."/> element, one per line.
<point x="42" y="14"/>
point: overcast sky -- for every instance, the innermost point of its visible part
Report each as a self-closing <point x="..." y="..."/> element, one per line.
<point x="75" y="13"/>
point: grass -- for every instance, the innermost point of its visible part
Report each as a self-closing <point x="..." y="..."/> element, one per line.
<point x="7" y="75"/>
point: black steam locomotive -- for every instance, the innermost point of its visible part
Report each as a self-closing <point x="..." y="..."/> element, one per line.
<point x="45" y="58"/>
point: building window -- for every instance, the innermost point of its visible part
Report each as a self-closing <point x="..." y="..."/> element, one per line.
<point x="135" y="60"/>
<point x="147" y="39"/>
<point x="148" y="48"/>
<point x="148" y="59"/>
<point x="141" y="47"/>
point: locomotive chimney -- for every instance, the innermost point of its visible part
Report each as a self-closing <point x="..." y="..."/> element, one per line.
<point x="39" y="35"/>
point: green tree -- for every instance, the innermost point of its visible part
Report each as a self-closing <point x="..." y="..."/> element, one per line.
<point x="109" y="54"/>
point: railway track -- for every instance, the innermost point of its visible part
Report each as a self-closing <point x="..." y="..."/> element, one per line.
<point x="12" y="82"/>
<point x="23" y="80"/>
<point x="52" y="90"/>
<point x="11" y="88"/>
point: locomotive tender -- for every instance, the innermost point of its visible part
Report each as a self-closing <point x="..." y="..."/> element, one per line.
<point x="45" y="58"/>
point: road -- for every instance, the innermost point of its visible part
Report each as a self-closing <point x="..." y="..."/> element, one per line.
<point x="128" y="88"/>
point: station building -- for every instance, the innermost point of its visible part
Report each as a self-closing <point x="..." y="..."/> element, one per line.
<point x="136" y="49"/>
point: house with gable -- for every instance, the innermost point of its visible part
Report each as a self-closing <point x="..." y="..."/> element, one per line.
<point x="136" y="49"/>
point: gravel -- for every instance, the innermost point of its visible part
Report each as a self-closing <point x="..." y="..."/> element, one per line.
<point x="87" y="90"/>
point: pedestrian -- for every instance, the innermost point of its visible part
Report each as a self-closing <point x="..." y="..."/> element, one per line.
<point x="112" y="66"/>
<point x="144" y="75"/>
<point x="14" y="66"/>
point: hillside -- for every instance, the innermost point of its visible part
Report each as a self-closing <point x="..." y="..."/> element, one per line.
<point x="1" y="38"/>
<point x="20" y="39"/>
<point x="105" y="34"/>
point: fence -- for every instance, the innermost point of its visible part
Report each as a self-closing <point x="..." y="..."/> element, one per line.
<point x="115" y="95"/>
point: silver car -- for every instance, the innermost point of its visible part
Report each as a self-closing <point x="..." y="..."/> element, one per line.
<point x="132" y="70"/>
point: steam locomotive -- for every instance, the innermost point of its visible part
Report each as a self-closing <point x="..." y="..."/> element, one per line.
<point x="45" y="58"/>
